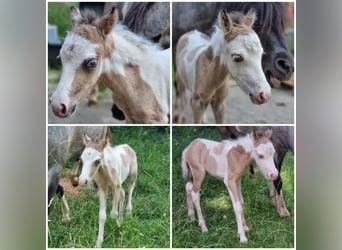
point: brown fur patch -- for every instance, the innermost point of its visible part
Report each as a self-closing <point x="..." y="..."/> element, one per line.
<point x="238" y="30"/>
<point x="134" y="96"/>
<point x="210" y="75"/>
<point x="182" y="43"/>
<point x="127" y="157"/>
<point x="238" y="161"/>
<point x="193" y="157"/>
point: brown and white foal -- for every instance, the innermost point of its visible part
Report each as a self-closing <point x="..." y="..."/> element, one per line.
<point x="227" y="161"/>
<point x="203" y="64"/>
<point x="134" y="69"/>
<point x="109" y="167"/>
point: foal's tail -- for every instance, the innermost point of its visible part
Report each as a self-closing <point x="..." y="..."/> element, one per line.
<point x="186" y="172"/>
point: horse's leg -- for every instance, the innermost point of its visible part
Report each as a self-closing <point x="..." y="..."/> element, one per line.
<point x="64" y="204"/>
<point x="275" y="189"/>
<point x="198" y="177"/>
<point x="232" y="186"/>
<point x="280" y="203"/>
<point x="217" y="103"/>
<point x="92" y="101"/>
<point x="198" y="108"/>
<point x="188" y="189"/>
<point x="102" y="216"/>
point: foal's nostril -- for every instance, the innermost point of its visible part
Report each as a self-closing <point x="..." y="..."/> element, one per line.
<point x="63" y="109"/>
<point x="262" y="97"/>
<point x="50" y="101"/>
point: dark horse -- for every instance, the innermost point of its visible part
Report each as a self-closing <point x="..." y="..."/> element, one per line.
<point x="283" y="141"/>
<point x="277" y="61"/>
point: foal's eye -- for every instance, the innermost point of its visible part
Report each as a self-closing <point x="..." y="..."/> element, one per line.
<point x="260" y="156"/>
<point x="237" y="58"/>
<point x="91" y="63"/>
<point x="97" y="162"/>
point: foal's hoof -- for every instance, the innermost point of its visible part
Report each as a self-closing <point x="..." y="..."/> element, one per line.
<point x="92" y="103"/>
<point x="98" y="244"/>
<point x="65" y="219"/>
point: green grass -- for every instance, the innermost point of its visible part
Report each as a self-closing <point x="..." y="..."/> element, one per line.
<point x="59" y="14"/>
<point x="267" y="229"/>
<point x="149" y="224"/>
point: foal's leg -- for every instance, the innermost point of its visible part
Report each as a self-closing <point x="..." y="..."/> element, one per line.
<point x="131" y="183"/>
<point x="179" y="113"/>
<point x="188" y="189"/>
<point x="121" y="206"/>
<point x="198" y="107"/>
<point x="195" y="195"/>
<point x="131" y="186"/>
<point x="92" y="101"/>
<point x="102" y="217"/>
<point x="217" y="103"/>
<point x="245" y="227"/>
<point x="116" y="197"/>
<point x="234" y="195"/>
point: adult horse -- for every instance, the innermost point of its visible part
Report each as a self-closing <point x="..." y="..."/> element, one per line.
<point x="277" y="61"/>
<point x="65" y="143"/>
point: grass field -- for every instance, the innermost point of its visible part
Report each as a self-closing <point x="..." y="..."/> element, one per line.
<point x="267" y="229"/>
<point x="149" y="224"/>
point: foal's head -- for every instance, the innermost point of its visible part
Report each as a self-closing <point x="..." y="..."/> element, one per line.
<point x="92" y="158"/>
<point x="242" y="53"/>
<point x="263" y="154"/>
<point x="82" y="54"/>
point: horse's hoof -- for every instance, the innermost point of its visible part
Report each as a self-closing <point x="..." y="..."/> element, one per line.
<point x="284" y="213"/>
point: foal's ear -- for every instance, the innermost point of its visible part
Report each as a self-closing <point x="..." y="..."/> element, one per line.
<point x="225" y="22"/>
<point x="254" y="135"/>
<point x="268" y="133"/>
<point x="108" y="21"/>
<point x="86" y="139"/>
<point x="250" y="18"/>
<point x="75" y="16"/>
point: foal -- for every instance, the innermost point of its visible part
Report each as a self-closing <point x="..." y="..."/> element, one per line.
<point x="134" y="69"/>
<point x="109" y="167"/>
<point x="203" y="64"/>
<point x="227" y="161"/>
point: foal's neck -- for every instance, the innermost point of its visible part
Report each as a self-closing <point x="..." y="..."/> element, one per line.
<point x="218" y="44"/>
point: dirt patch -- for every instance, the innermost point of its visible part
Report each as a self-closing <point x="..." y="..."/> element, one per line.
<point x="69" y="189"/>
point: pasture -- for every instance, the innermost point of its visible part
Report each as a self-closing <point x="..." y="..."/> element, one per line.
<point x="149" y="223"/>
<point x="267" y="229"/>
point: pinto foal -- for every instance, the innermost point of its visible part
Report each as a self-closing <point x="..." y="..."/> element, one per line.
<point x="134" y="69"/>
<point x="203" y="64"/>
<point x="109" y="167"/>
<point x="227" y="161"/>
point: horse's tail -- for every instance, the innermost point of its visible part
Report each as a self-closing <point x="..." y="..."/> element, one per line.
<point x="186" y="172"/>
